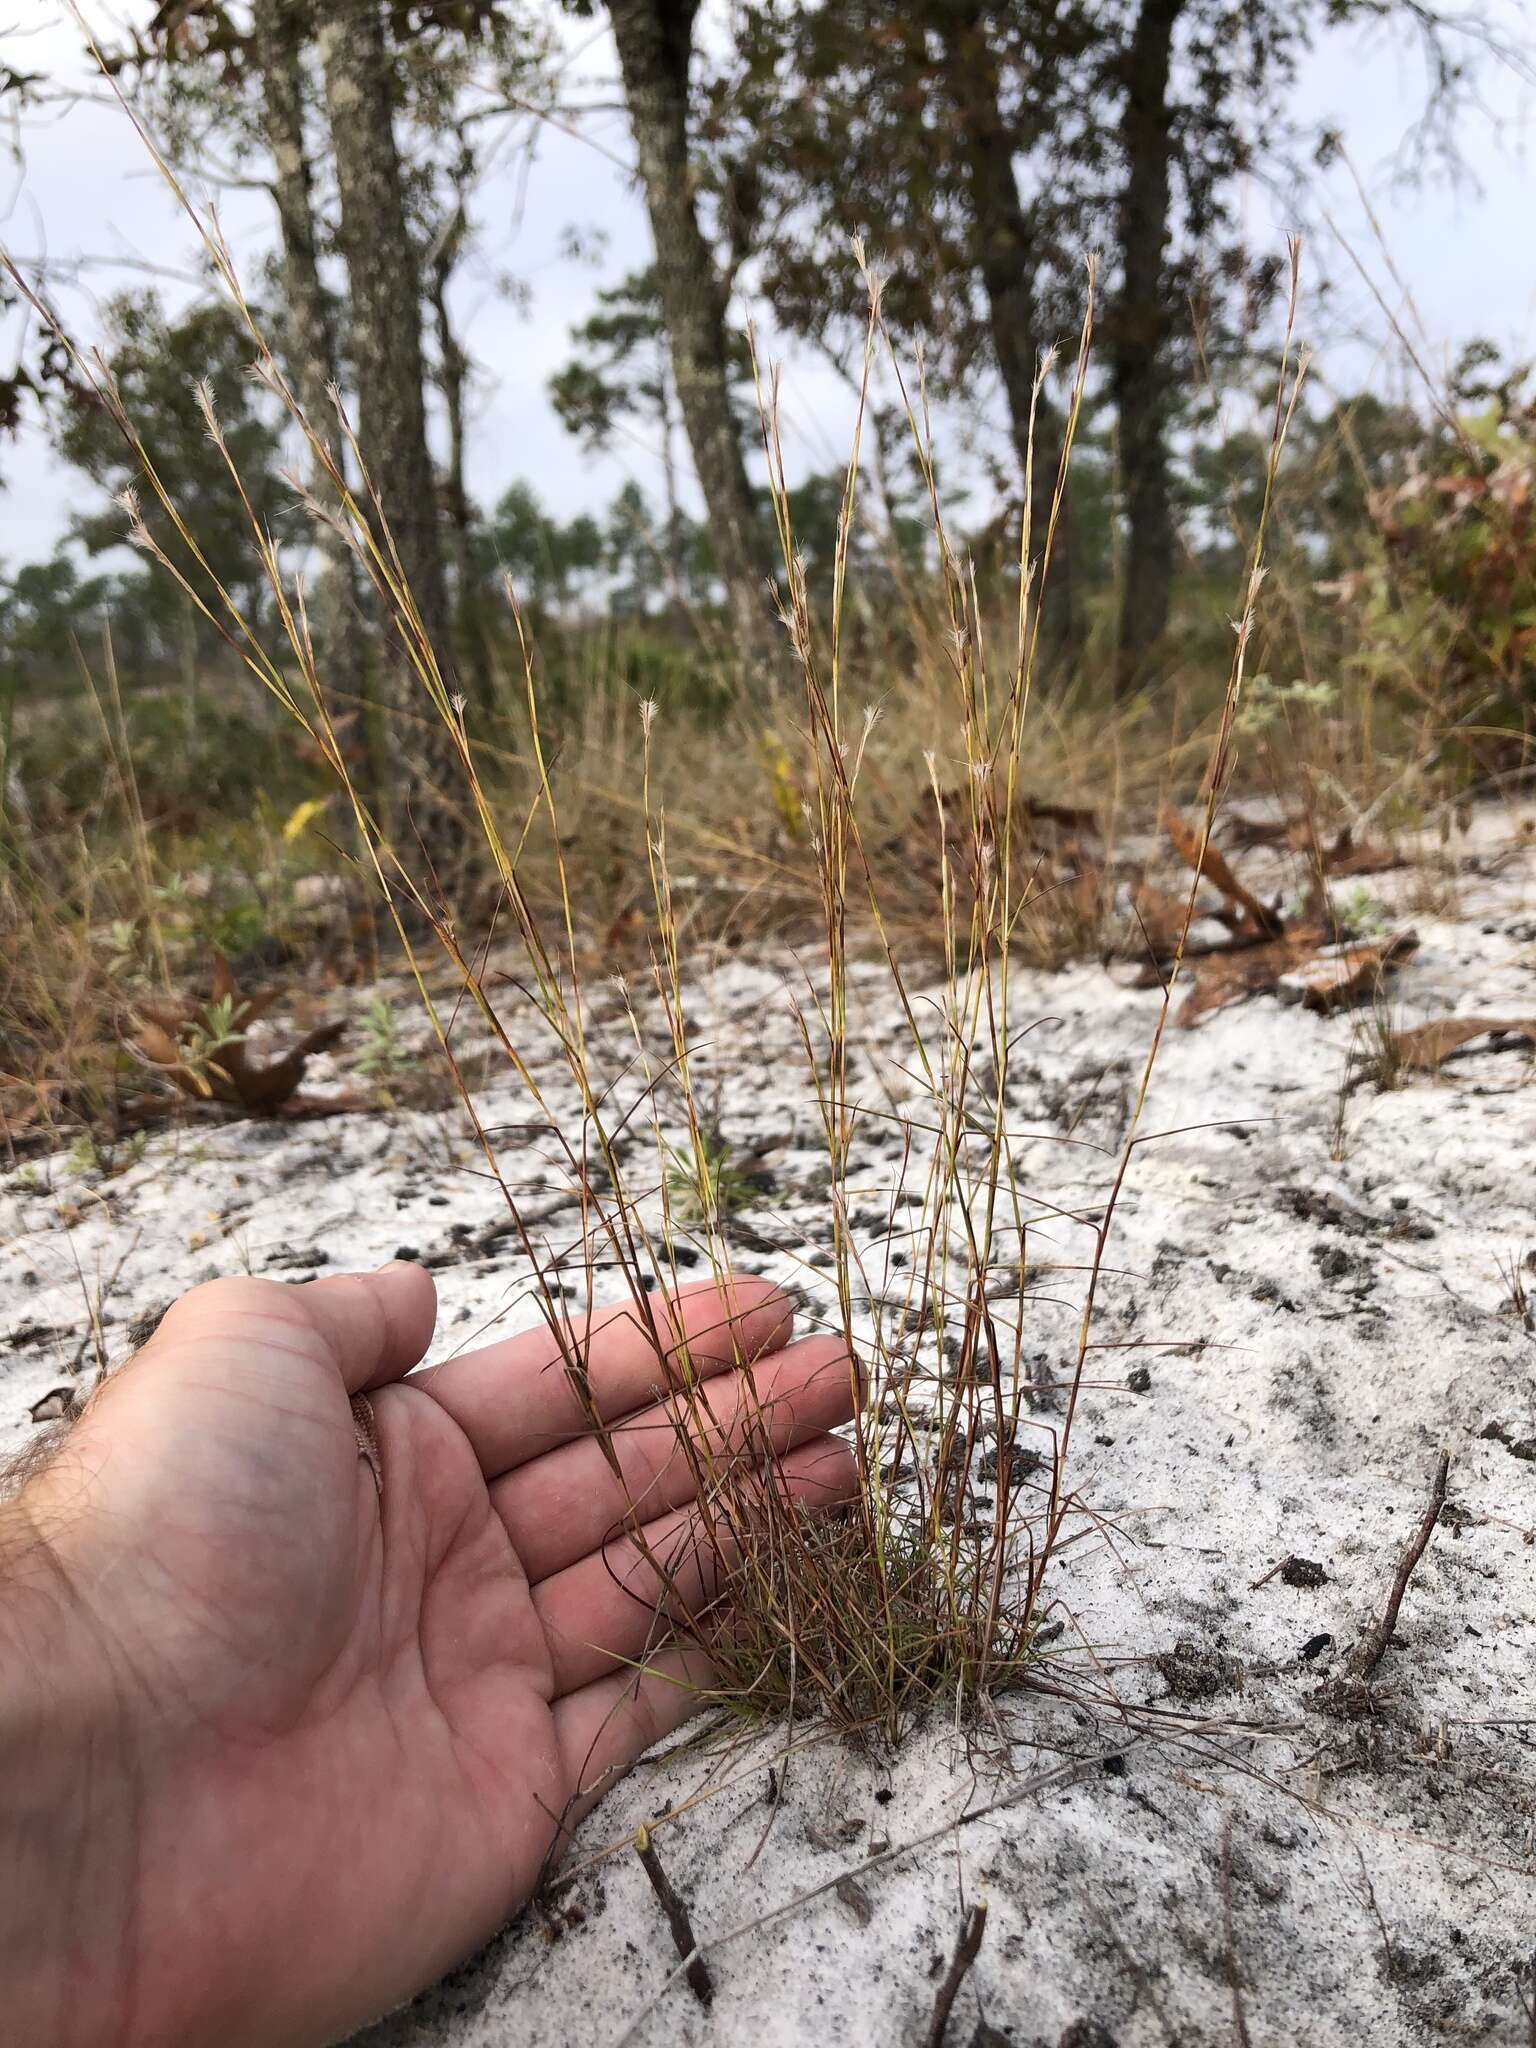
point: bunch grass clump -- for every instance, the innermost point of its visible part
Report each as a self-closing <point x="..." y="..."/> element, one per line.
<point x="934" y="1585"/>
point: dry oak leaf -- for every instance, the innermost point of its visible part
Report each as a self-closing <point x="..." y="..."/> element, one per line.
<point x="1347" y="856"/>
<point x="1246" y="970"/>
<point x="1158" y="922"/>
<point x="1343" y="974"/>
<point x="1070" y="817"/>
<point x="1211" y="863"/>
<point x="228" y="1072"/>
<point x="1246" y="832"/>
<point x="1426" y="1047"/>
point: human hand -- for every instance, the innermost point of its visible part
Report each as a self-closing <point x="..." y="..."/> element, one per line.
<point x="284" y="1746"/>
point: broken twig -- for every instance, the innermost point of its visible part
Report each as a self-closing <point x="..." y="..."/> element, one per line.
<point x="966" y="1950"/>
<point x="1240" y="2035"/>
<point x="1376" y="1641"/>
<point x="695" y="1969"/>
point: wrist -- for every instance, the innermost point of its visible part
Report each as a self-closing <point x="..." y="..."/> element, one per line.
<point x="69" y="1801"/>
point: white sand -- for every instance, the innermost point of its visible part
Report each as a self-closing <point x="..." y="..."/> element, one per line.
<point x="1315" y="1328"/>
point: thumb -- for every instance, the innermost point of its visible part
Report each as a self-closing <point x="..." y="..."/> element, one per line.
<point x="378" y="1325"/>
<point x="370" y="1328"/>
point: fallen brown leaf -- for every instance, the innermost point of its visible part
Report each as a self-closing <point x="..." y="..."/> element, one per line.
<point x="1159" y="920"/>
<point x="1248" y="832"/>
<point x="1340" y="975"/>
<point x="1368" y="857"/>
<point x="230" y="1072"/>
<point x="1425" y="1047"/>
<point x="1296" y="835"/>
<point x="1070" y="817"/>
<point x="1249" y="970"/>
<point x="1212" y="863"/>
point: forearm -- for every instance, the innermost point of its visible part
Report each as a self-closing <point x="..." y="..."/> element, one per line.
<point x="68" y="1800"/>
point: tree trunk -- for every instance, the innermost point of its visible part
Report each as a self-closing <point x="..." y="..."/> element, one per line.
<point x="452" y="375"/>
<point x="384" y="276"/>
<point x="1007" y="260"/>
<point x="1139" y="338"/>
<point x="310" y="338"/>
<point x="677" y="568"/>
<point x="655" y="39"/>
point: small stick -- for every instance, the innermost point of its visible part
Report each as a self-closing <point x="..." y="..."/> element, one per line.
<point x="1070" y="1773"/>
<point x="966" y="1949"/>
<point x="1240" y="2034"/>
<point x="695" y="1969"/>
<point x="1370" y="1893"/>
<point x="1373" y="1645"/>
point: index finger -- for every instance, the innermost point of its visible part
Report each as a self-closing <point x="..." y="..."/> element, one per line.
<point x="516" y="1400"/>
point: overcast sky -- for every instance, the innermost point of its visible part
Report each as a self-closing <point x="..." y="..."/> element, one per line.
<point x="81" y="186"/>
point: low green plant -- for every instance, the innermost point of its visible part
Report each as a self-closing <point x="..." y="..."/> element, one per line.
<point x="215" y="1026"/>
<point x="237" y="927"/>
<point x="1267" y="703"/>
<point x="91" y="1153"/>
<point x="704" y="1183"/>
<point x="1362" y="914"/>
<point x="383" y="1056"/>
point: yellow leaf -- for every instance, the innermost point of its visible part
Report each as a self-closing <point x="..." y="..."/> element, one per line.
<point x="300" y="816"/>
<point x="787" y="798"/>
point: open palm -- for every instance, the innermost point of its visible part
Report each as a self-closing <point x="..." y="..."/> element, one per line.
<point x="365" y="1717"/>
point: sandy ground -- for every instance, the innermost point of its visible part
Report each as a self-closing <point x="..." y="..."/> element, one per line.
<point x="1315" y="1292"/>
